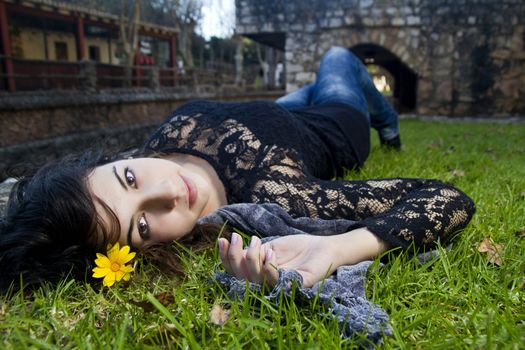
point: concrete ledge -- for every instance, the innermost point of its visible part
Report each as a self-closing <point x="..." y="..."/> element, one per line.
<point x="61" y="98"/>
<point x="26" y="117"/>
<point x="21" y="158"/>
<point x="38" y="127"/>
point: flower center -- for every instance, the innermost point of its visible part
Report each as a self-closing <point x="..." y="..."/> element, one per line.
<point x="115" y="267"/>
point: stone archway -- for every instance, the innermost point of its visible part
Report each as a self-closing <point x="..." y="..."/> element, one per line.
<point x="405" y="79"/>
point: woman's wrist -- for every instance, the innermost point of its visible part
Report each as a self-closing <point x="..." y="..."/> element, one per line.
<point x="355" y="246"/>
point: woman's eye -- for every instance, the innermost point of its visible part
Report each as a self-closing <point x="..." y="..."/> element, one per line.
<point x="130" y="177"/>
<point x="143" y="228"/>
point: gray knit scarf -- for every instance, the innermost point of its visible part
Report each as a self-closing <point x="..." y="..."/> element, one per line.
<point x="342" y="293"/>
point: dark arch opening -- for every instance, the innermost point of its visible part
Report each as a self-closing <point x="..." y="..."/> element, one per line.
<point x="405" y="80"/>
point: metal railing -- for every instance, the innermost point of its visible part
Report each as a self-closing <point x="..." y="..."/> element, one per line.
<point x="30" y="75"/>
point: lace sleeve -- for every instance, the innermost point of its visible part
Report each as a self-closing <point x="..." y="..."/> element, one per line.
<point x="400" y="211"/>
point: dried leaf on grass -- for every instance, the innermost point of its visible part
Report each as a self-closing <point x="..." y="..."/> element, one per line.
<point x="450" y="150"/>
<point x="219" y="315"/>
<point x="436" y="144"/>
<point x="492" y="249"/>
<point x="457" y="173"/>
<point x="164" y="298"/>
<point x="491" y="153"/>
<point x="521" y="232"/>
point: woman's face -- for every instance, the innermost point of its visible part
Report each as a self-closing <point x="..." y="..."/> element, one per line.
<point x="155" y="200"/>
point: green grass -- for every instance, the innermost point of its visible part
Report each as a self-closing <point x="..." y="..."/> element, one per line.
<point x="456" y="301"/>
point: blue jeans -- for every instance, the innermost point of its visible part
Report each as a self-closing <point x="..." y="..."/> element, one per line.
<point x="343" y="78"/>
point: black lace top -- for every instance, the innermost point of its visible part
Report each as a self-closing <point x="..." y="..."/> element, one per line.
<point x="266" y="154"/>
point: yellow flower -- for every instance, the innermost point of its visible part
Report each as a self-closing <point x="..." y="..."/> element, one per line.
<point x="113" y="267"/>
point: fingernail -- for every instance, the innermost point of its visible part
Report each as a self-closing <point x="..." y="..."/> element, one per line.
<point x="234" y="238"/>
<point x="269" y="254"/>
<point x="253" y="242"/>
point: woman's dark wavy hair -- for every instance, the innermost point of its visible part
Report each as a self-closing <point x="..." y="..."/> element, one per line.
<point x="51" y="228"/>
<point x="50" y="223"/>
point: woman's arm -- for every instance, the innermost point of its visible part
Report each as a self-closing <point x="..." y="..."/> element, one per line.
<point x="355" y="246"/>
<point x="388" y="213"/>
<point x="314" y="257"/>
<point x="402" y="212"/>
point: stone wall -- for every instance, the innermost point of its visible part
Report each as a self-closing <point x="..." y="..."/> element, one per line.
<point x="36" y="128"/>
<point x="469" y="55"/>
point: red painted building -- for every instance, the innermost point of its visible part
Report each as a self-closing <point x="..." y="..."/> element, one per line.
<point x="47" y="44"/>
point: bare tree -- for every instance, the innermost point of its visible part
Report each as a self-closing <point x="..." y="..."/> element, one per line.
<point x="129" y="27"/>
<point x="271" y="60"/>
<point x="129" y="35"/>
<point x="239" y="60"/>
<point x="182" y="14"/>
<point x="189" y="15"/>
<point x="268" y="64"/>
<point x="264" y="65"/>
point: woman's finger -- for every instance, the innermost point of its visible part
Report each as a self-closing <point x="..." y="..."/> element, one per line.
<point x="270" y="269"/>
<point x="224" y="246"/>
<point x="235" y="256"/>
<point x="254" y="260"/>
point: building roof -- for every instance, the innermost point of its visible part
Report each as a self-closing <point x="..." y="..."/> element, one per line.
<point x="66" y="9"/>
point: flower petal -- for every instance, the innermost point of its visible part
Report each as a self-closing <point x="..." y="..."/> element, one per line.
<point x="113" y="253"/>
<point x="127" y="258"/>
<point x="99" y="272"/>
<point x="126" y="268"/>
<point x="116" y="246"/>
<point x="99" y="255"/>
<point x="123" y="254"/>
<point x="119" y="274"/>
<point x="103" y="261"/>
<point x="109" y="280"/>
<point x="124" y="250"/>
<point x="126" y="277"/>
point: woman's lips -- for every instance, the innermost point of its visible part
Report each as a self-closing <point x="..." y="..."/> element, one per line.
<point x="192" y="190"/>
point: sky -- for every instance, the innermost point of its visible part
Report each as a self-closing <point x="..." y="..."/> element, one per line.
<point x="218" y="18"/>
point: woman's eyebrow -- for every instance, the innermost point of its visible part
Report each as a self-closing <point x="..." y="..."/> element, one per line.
<point x="119" y="178"/>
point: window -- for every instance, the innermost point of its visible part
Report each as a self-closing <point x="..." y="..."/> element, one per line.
<point x="61" y="51"/>
<point x="94" y="53"/>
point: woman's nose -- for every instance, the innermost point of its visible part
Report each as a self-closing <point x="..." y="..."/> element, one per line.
<point x="165" y="195"/>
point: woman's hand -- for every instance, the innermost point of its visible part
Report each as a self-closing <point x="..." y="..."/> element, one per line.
<point x="314" y="257"/>
<point x="309" y="255"/>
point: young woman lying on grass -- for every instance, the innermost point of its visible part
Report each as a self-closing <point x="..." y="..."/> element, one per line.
<point x="207" y="155"/>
